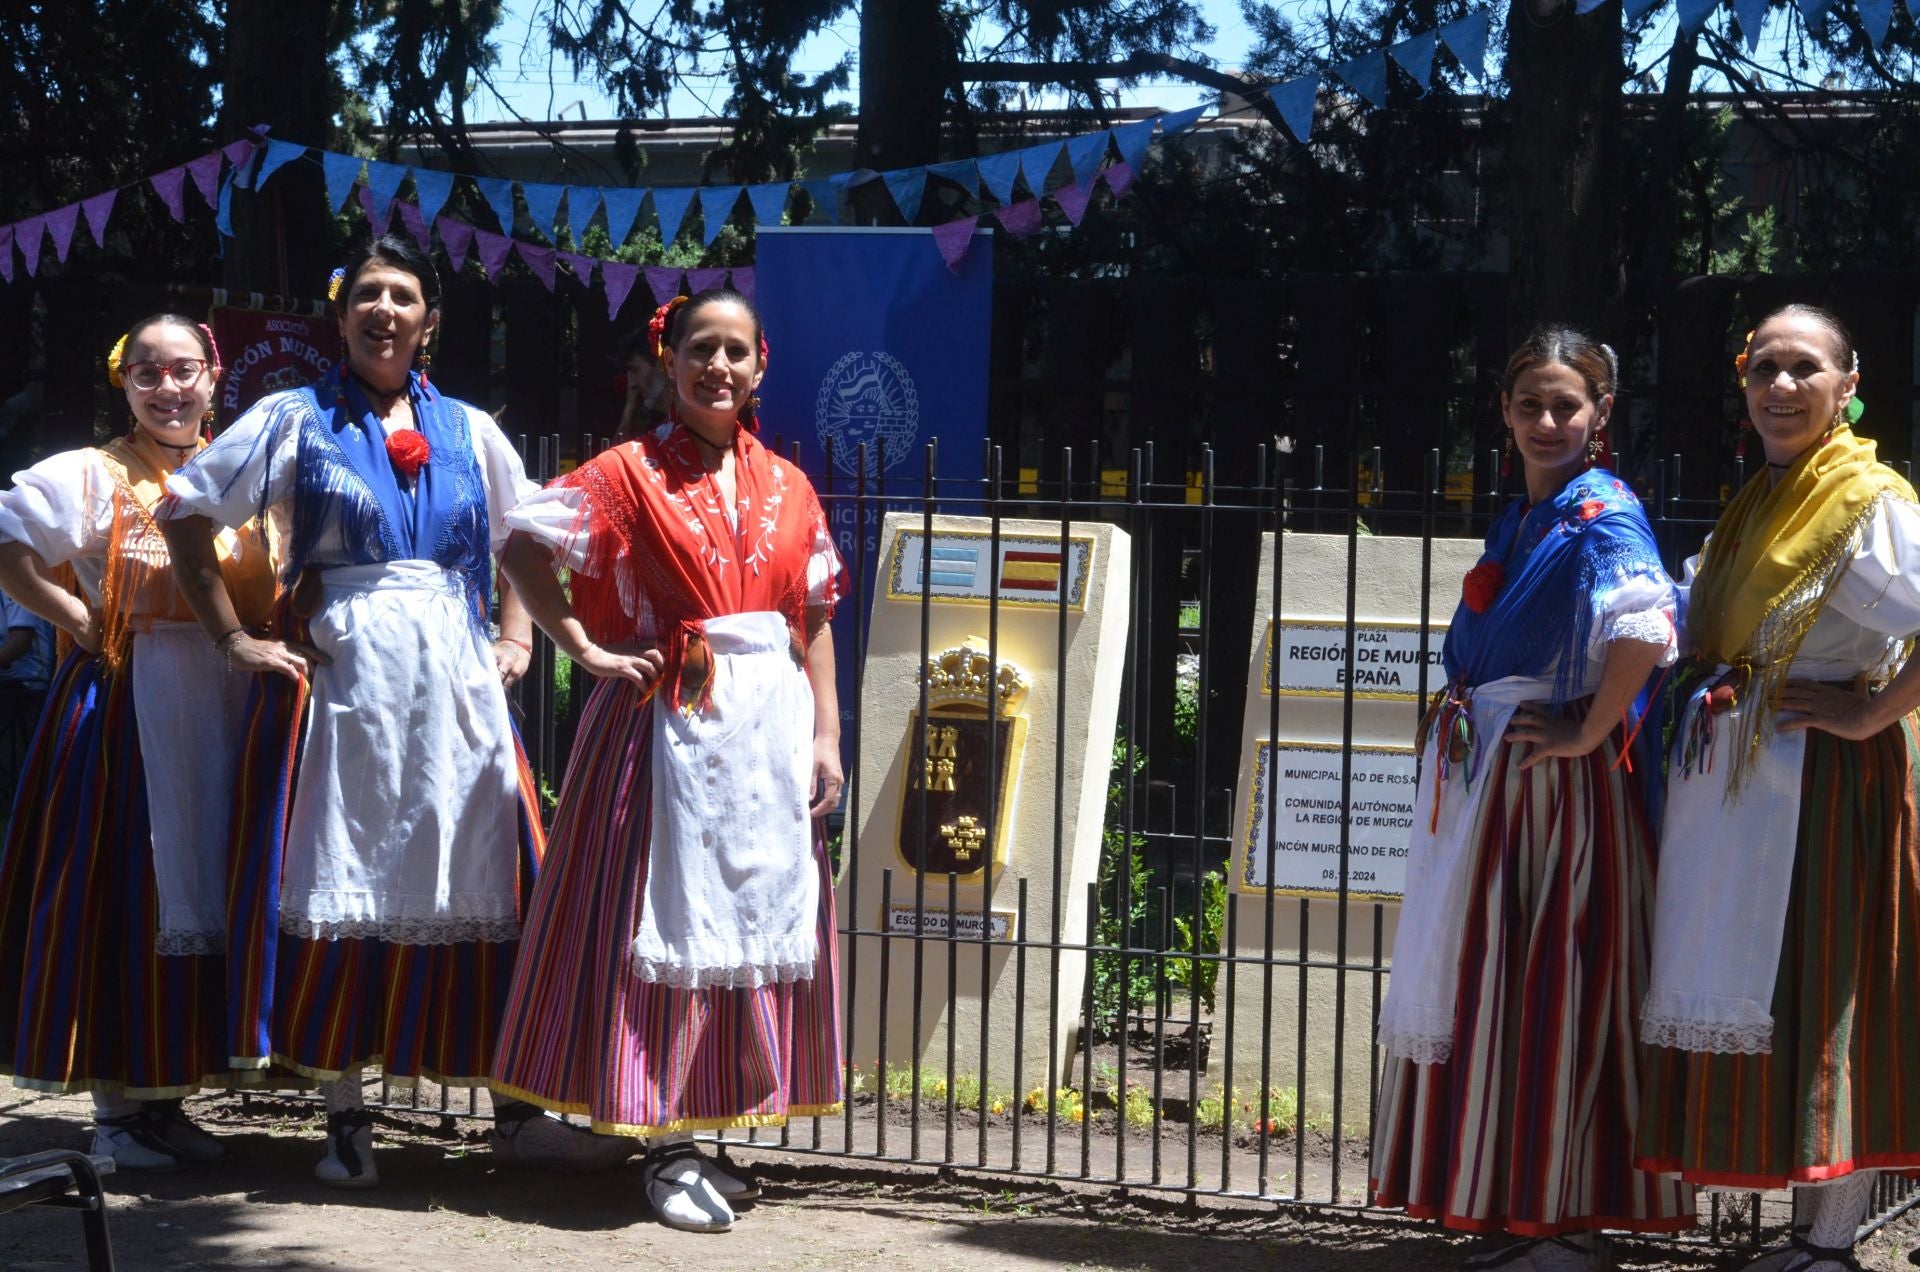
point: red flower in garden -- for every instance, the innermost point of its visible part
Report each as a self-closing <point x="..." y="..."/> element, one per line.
<point x="1481" y="585"/>
<point x="1591" y="508"/>
<point x="408" y="450"/>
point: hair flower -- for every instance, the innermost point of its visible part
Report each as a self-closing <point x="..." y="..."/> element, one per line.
<point x="334" y="280"/>
<point x="409" y="451"/>
<point x="114" y="357"/>
<point x="1482" y="585"/>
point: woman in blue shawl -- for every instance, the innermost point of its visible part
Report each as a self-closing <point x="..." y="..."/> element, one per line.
<point x="1510" y="1090"/>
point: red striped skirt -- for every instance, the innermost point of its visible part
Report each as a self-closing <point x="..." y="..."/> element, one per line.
<point x="1528" y="1128"/>
<point x="584" y="1035"/>
<point x="1841" y="1089"/>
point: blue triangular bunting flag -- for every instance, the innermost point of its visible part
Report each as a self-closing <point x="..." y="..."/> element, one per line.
<point x="223" y="211"/>
<point x="622" y="205"/>
<point x="769" y="201"/>
<point x="543" y="205"/>
<point x="1132" y="140"/>
<point x="1415" y="57"/>
<point x="279" y="155"/>
<point x="1086" y="153"/>
<point x="716" y="205"/>
<point x="498" y="192"/>
<point x="1294" y="100"/>
<point x="1814" y="14"/>
<point x="1036" y="162"/>
<point x="670" y="205"/>
<point x="1752" y="15"/>
<point x="1875" y="17"/>
<point x="342" y="171"/>
<point x="907" y="186"/>
<point x="999" y="172"/>
<point x="431" y="188"/>
<point x="964" y="173"/>
<point x="1178" y="122"/>
<point x="1634" y="10"/>
<point x="1367" y="76"/>
<point x="582" y="202"/>
<point x="1693" y="14"/>
<point x="1587" y="6"/>
<point x="824" y="194"/>
<point x="1467" y="41"/>
<point x="384" y="179"/>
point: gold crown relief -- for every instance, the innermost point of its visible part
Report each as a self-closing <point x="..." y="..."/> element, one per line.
<point x="960" y="676"/>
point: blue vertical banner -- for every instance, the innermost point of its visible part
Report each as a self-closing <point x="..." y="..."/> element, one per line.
<point x="872" y="338"/>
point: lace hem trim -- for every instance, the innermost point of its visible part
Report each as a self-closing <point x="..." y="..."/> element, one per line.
<point x="429" y="931"/>
<point x="1731" y="1038"/>
<point x="179" y="943"/>
<point x="1426" y="1040"/>
<point x="1651" y="626"/>
<point x="677" y="976"/>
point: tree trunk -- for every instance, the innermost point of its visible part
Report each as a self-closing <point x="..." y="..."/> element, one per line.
<point x="907" y="60"/>
<point x="277" y="74"/>
<point x="1564" y="72"/>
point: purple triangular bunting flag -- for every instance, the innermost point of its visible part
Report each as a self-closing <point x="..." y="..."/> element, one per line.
<point x="60" y="223"/>
<point x="541" y="260"/>
<point x="953" y="238"/>
<point x="27" y="234"/>
<point x="742" y="281"/>
<point x="98" y="209"/>
<point x="1073" y="200"/>
<point x="699" y="280"/>
<point x="664" y="282"/>
<point x="378" y="218"/>
<point x="617" y="278"/>
<point x="1119" y="178"/>
<point x="1294" y="100"/>
<point x="457" y="238"/>
<point x="416" y="224"/>
<point x="6" y="253"/>
<point x="1022" y="219"/>
<point x="241" y="150"/>
<point x="582" y="266"/>
<point x="492" y="249"/>
<point x="205" y="172"/>
<point x="171" y="187"/>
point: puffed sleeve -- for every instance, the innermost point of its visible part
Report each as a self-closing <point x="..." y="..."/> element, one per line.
<point x="248" y="470"/>
<point x="62" y="507"/>
<point x="551" y="514"/>
<point x="1639" y="608"/>
<point x="1881" y="587"/>
<point x="823" y="561"/>
<point x="501" y="472"/>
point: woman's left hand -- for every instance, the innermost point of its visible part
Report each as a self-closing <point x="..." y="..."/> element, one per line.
<point x="1808" y="704"/>
<point x="1549" y="736"/>
<point x="511" y="661"/>
<point x="827" y="777"/>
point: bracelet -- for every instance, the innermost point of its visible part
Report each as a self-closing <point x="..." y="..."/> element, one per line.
<point x="511" y="641"/>
<point x="220" y="641"/>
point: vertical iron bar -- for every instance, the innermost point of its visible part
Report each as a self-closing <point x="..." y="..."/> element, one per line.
<point x="1055" y="909"/>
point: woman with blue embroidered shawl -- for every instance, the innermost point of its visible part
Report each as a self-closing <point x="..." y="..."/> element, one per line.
<point x="387" y="820"/>
<point x="1781" y="1011"/>
<point x="1510" y="1087"/>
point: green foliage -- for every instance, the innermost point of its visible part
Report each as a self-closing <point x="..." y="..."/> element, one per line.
<point x="1189" y="975"/>
<point x="1113" y="996"/>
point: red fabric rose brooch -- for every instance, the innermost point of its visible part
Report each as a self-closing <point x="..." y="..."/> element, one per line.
<point x="409" y="451"/>
<point x="1482" y="585"/>
<point x="1590" y="508"/>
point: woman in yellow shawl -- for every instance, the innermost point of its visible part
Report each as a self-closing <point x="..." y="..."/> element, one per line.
<point x="1780" y="1016"/>
<point x="113" y="879"/>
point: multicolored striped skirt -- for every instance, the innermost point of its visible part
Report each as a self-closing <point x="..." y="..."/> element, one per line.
<point x="1840" y="1091"/>
<point x="583" y="1034"/>
<point x="86" y="1003"/>
<point x="1528" y="1127"/>
<point x="321" y="1007"/>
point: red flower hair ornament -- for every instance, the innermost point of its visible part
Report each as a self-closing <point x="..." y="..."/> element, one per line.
<point x="409" y="450"/>
<point x="1482" y="585"/>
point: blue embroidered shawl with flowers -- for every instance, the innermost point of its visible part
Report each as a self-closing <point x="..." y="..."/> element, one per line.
<point x="1558" y="559"/>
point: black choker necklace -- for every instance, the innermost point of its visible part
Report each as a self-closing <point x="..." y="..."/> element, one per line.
<point x="378" y="396"/>
<point x="1782" y="467"/>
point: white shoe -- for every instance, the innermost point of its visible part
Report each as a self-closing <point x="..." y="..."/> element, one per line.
<point x="187" y="1142"/>
<point x="732" y="1182"/>
<point x="547" y="1142"/>
<point x="133" y="1143"/>
<point x="680" y="1195"/>
<point x="349" y="1159"/>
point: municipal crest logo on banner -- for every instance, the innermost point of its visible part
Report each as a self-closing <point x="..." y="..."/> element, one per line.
<point x="870" y="398"/>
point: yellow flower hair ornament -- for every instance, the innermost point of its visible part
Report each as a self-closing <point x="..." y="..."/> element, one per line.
<point x="334" y="280"/>
<point x="114" y="355"/>
<point x="1740" y="359"/>
<point x="657" y="327"/>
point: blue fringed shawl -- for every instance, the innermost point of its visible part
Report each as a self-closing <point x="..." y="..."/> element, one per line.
<point x="1561" y="557"/>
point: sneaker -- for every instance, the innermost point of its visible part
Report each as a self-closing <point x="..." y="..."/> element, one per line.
<point x="133" y="1143"/>
<point x="680" y="1195"/>
<point x="188" y="1142"/>
<point x="349" y="1159"/>
<point x="729" y="1179"/>
<point x="525" y="1136"/>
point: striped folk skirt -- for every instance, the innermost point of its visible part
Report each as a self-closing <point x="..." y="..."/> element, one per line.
<point x="321" y="1006"/>
<point x="1528" y="1127"/>
<point x="1841" y="1089"/>
<point x="86" y="1002"/>
<point x="583" y="1034"/>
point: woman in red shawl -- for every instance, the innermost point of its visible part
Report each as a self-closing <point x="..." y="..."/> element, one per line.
<point x="677" y="969"/>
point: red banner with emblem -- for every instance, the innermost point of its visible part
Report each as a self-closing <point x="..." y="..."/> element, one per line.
<point x="268" y="352"/>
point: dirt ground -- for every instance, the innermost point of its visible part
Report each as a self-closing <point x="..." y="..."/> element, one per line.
<point x="444" y="1203"/>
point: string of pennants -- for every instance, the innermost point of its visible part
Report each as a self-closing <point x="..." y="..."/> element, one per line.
<point x="1876" y="16"/>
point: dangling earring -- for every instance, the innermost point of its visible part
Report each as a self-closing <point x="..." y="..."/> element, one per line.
<point x="1740" y="447"/>
<point x="753" y="402"/>
<point x="1594" y="449"/>
<point x="206" y="425"/>
<point x="1506" y="457"/>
